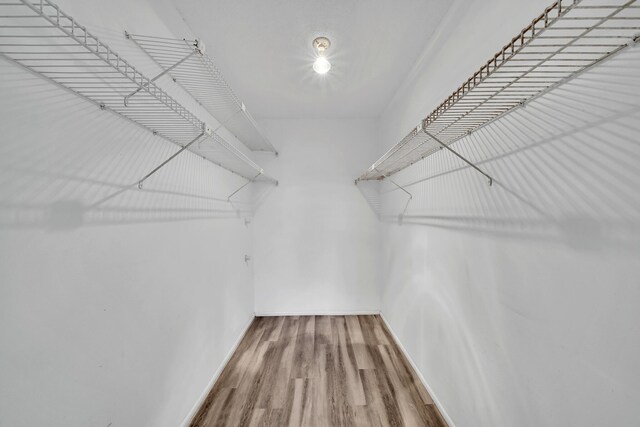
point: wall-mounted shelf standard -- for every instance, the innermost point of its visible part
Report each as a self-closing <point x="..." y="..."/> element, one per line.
<point x="568" y="38"/>
<point x="42" y="38"/>
<point x="188" y="64"/>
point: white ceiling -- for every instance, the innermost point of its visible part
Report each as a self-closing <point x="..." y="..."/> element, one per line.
<point x="264" y="50"/>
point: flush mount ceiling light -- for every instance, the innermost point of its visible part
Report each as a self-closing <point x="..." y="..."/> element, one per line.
<point x="321" y="65"/>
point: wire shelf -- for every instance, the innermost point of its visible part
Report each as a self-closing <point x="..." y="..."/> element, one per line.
<point x="227" y="156"/>
<point x="186" y="62"/>
<point x="568" y="38"/>
<point x="42" y="38"/>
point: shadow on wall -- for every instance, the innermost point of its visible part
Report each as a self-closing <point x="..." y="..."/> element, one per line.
<point x="64" y="163"/>
<point x="565" y="168"/>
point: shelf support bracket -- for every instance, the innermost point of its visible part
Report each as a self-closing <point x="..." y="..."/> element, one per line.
<point x="406" y="205"/>
<point x="193" y="141"/>
<point x="205" y="131"/>
<point x="460" y="156"/>
<point x="126" y="98"/>
<point x="243" y="185"/>
<point x="196" y="49"/>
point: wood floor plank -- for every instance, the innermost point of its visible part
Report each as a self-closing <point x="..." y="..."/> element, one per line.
<point x="319" y="385"/>
<point x="273" y="333"/>
<point x="216" y="413"/>
<point x="356" y="340"/>
<point x="409" y="400"/>
<point x="381" y="333"/>
<point x="271" y="378"/>
<point x="318" y="371"/>
<point x="367" y="328"/>
<point x="299" y="403"/>
<point x="303" y="352"/>
<point x="353" y="327"/>
<point x="367" y="417"/>
<point x="280" y="385"/>
<point x="272" y="418"/>
<point x="243" y="356"/>
<point x="347" y="366"/>
<point x="256" y="385"/>
<point x="323" y="331"/>
<point x="376" y="413"/>
<point x="394" y="361"/>
<point x="256" y="418"/>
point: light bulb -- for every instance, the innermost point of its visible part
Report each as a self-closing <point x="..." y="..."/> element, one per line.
<point x="321" y="65"/>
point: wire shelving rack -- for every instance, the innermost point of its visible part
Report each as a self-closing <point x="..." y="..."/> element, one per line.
<point x="566" y="39"/>
<point x="44" y="39"/>
<point x="188" y="64"/>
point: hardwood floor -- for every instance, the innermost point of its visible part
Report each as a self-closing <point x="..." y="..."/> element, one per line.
<point x="318" y="371"/>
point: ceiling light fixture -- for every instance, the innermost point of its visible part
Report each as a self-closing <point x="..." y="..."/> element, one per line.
<point x="321" y="65"/>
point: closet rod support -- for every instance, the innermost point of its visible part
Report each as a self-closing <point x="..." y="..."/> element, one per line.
<point x="193" y="141"/>
<point x="460" y="156"/>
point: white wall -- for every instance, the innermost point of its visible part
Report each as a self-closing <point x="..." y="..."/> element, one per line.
<point x="116" y="305"/>
<point x="518" y="302"/>
<point x="315" y="238"/>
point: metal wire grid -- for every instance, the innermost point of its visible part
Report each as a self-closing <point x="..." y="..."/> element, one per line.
<point x="227" y="155"/>
<point x="41" y="37"/>
<point x="565" y="40"/>
<point x="195" y="71"/>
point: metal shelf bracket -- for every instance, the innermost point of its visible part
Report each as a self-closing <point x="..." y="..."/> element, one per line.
<point x="243" y="185"/>
<point x="173" y="156"/>
<point x="198" y="48"/>
<point x="410" y="197"/>
<point x="460" y="156"/>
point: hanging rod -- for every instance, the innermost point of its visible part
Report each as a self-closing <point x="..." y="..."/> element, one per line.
<point x="199" y="76"/>
<point x="568" y="38"/>
<point x="42" y="38"/>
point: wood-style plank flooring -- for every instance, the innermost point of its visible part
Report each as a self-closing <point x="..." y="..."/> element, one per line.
<point x="318" y="371"/>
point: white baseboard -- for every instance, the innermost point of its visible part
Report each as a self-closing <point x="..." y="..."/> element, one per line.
<point x="192" y="413"/>
<point x="444" y="414"/>
<point x="318" y="313"/>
